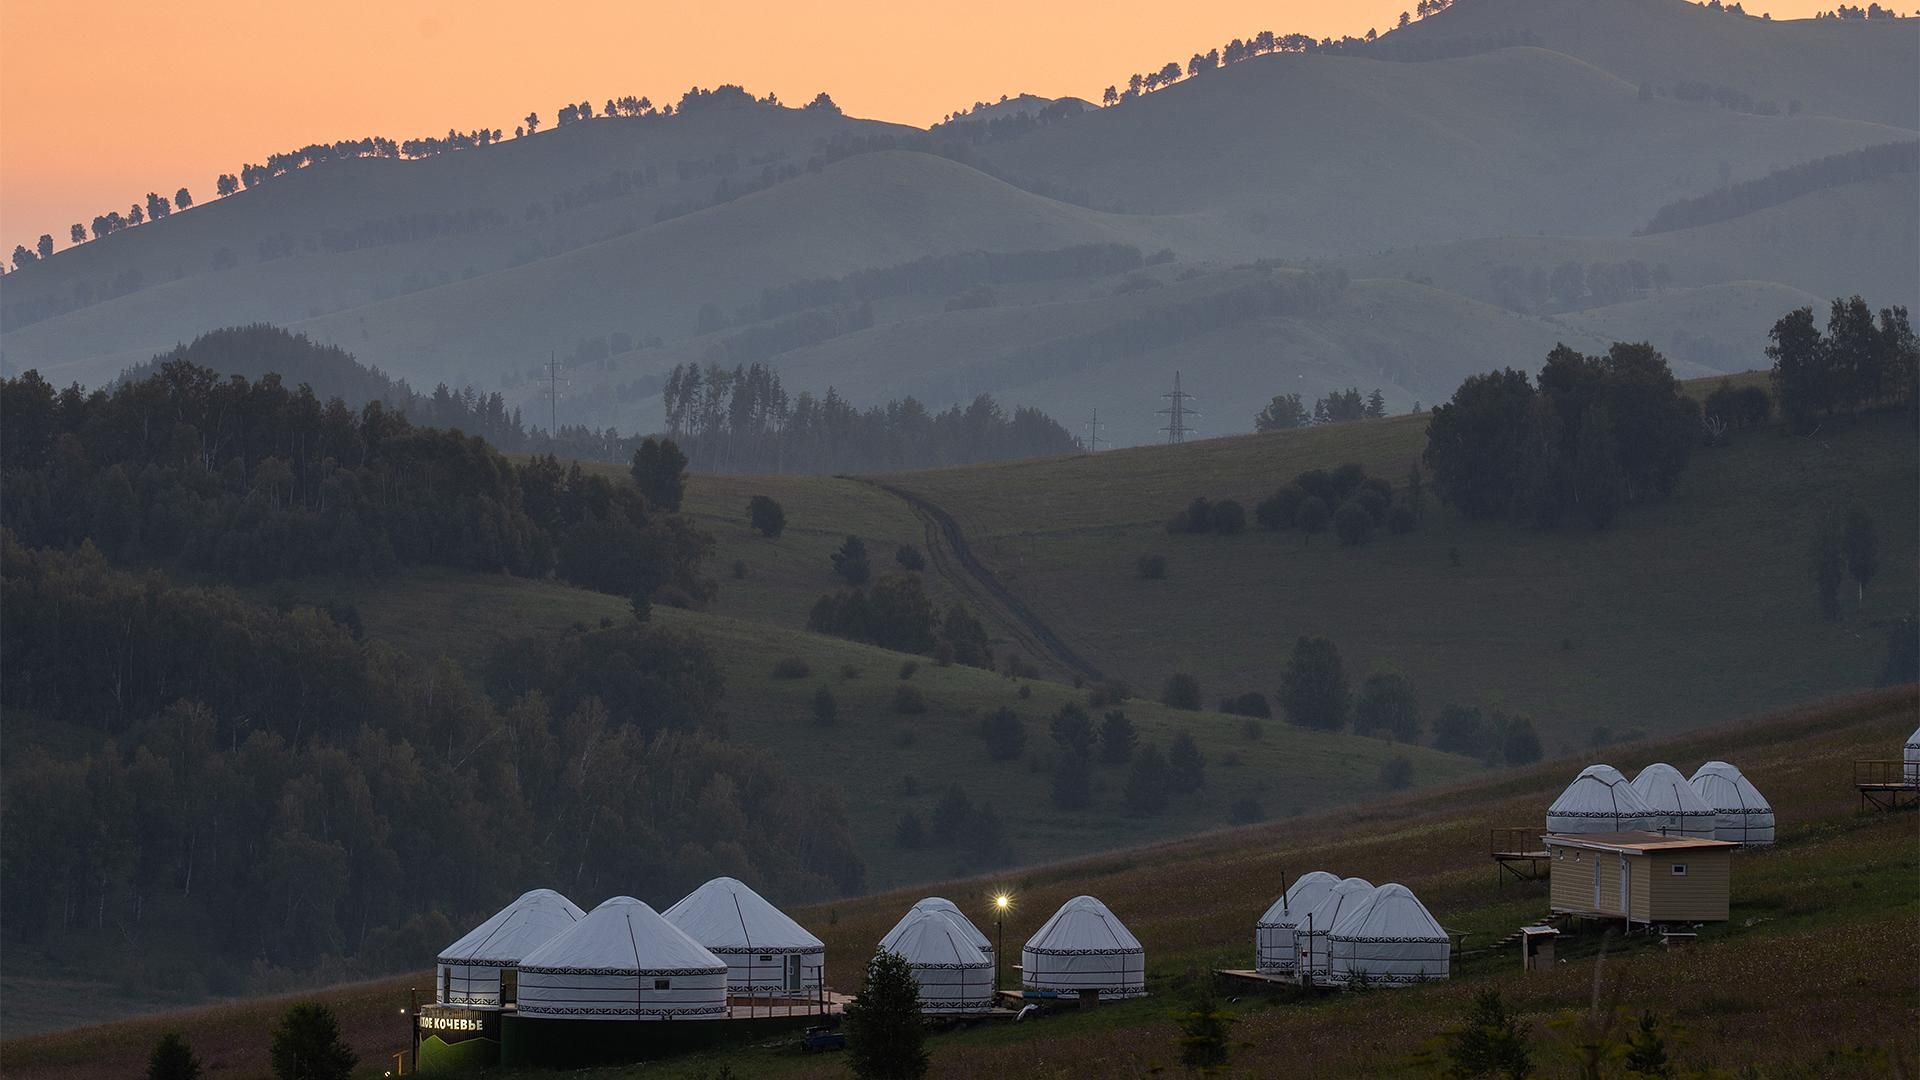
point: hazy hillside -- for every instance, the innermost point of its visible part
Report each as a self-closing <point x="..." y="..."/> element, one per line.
<point x="1852" y="68"/>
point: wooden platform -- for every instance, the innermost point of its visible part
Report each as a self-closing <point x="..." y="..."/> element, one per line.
<point x="745" y="1007"/>
<point x="1263" y="978"/>
<point x="1516" y="853"/>
<point x="1883" y="785"/>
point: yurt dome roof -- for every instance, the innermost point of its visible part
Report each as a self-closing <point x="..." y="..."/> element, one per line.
<point x="726" y="916"/>
<point x="1390" y="913"/>
<point x="1083" y="925"/>
<point x="1663" y="788"/>
<point x="1598" y="794"/>
<point x="623" y="936"/>
<point x="930" y="938"/>
<point x="515" y="930"/>
<point x="1726" y="789"/>
<point x="1300" y="898"/>
<point x="1340" y="900"/>
<point x="940" y="905"/>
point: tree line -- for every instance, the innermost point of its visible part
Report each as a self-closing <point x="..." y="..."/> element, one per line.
<point x="1857" y="365"/>
<point x="1781" y="185"/>
<point x="252" y="481"/>
<point x="1288" y="411"/>
<point x="1590" y="436"/>
<point x="263" y="790"/>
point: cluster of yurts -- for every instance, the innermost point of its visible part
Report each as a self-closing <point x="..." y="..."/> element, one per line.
<point x="1718" y="803"/>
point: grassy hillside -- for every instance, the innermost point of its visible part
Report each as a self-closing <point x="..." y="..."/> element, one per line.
<point x="1287" y="771"/>
<point x="1688" y="612"/>
<point x="1826" y="916"/>
<point x="1665" y="41"/>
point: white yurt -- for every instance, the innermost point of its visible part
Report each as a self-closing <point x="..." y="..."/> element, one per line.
<point x="1912" y="757"/>
<point x="766" y="952"/>
<point x="955" y="976"/>
<point x="1275" y="952"/>
<point x="1318" y="923"/>
<point x="1084" y="947"/>
<point x="1388" y="939"/>
<point x="1741" y="814"/>
<point x="623" y="962"/>
<point x="1599" y="801"/>
<point x="1679" y="810"/>
<point x="470" y="969"/>
<point x="952" y="911"/>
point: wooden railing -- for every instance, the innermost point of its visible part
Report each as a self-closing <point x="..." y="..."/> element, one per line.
<point x="1883" y="774"/>
<point x="1507" y="840"/>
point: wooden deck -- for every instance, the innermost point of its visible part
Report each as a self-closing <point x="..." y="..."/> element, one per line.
<point x="1517" y="853"/>
<point x="1885" y="785"/>
<point x="744" y="1007"/>
<point x="1260" y="978"/>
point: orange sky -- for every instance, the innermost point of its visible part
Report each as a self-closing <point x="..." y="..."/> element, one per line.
<point x="102" y="101"/>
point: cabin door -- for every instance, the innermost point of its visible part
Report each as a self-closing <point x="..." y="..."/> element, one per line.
<point x="1626" y="889"/>
<point x="1596" y="881"/>
<point x="793" y="973"/>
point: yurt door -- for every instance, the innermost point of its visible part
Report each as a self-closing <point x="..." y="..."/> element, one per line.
<point x="793" y="973"/>
<point x="1626" y="889"/>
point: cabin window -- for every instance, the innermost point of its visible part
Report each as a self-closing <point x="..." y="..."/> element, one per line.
<point x="509" y="986"/>
<point x="446" y="984"/>
<point x="1679" y="869"/>
<point x="662" y="984"/>
<point x="766" y="959"/>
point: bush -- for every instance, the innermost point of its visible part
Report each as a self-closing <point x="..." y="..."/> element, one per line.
<point x="909" y="557"/>
<point x="1396" y="772"/>
<point x="1117" y="738"/>
<point x="1072" y="730"/>
<point x="1252" y="730"/>
<point x="1378" y="485"/>
<point x="908" y="668"/>
<point x="909" y="701"/>
<point x="1251" y="703"/>
<point x="739" y="569"/>
<point x="1005" y="733"/>
<point x="1152" y="567"/>
<point x="1311" y="516"/>
<point x="766" y="516"/>
<point x="1199" y="515"/>
<point x="1492" y="1042"/>
<point x="1347" y="480"/>
<point x="1374" y="504"/>
<point x="1275" y="512"/>
<point x="1186" y="768"/>
<point x="1146" y="791"/>
<point x="1246" y="811"/>
<point x="825" y="709"/>
<point x="1353" y="524"/>
<point x="173" y="1059"/>
<point x="848" y="671"/>
<point x="1229" y="517"/>
<point x="307" y="1046"/>
<point x="1182" y="691"/>
<point x="850" y="562"/>
<point x="886" y="1036"/>
<point x="950" y="814"/>
<point x="791" y="667"/>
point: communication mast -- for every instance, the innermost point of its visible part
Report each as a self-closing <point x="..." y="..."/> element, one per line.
<point x="1093" y="427"/>
<point x="552" y="394"/>
<point x="1177" y="413"/>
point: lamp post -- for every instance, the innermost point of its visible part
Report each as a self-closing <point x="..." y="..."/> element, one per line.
<point x="1000" y="903"/>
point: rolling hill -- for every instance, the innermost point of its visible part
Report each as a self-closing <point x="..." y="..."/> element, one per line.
<point x="1826" y="915"/>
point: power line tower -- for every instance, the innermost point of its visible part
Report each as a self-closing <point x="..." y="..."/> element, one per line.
<point x="1093" y="427"/>
<point x="1177" y="413"/>
<point x="552" y="394"/>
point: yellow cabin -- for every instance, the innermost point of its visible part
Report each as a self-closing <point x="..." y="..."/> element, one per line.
<point x="1641" y="877"/>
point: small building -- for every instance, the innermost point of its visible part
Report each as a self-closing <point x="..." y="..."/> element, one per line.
<point x="1741" y="813"/>
<point x="1085" y="950"/>
<point x="1275" y="948"/>
<point x="1679" y="810"/>
<point x="623" y="962"/>
<point x="479" y="969"/>
<point x="767" y="953"/>
<point x="1641" y="877"/>
<point x="955" y="977"/>
<point x="1317" y="925"/>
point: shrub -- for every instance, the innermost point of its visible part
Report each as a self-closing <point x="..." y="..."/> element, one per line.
<point x="848" y="671"/>
<point x="1311" y="516"/>
<point x="1251" y="703"/>
<point x="1182" y="691"/>
<point x="1374" y="504"/>
<point x="1347" y="480"/>
<point x="1117" y="737"/>
<point x="909" y="701"/>
<point x="908" y="667"/>
<point x="1228" y="517"/>
<point x="1252" y="730"/>
<point x="791" y="667"/>
<point x="173" y="1059"/>
<point x="1186" y="768"/>
<point x="766" y="516"/>
<point x="307" y="1046"/>
<point x="850" y="561"/>
<point x="1275" y="512"/>
<point x="825" y="709"/>
<point x="886" y="1036"/>
<point x="950" y="813"/>
<point x="1199" y="515"/>
<point x="1378" y="485"/>
<point x="1492" y="1042"/>
<point x="1146" y="791"/>
<point x="909" y="557"/>
<point x="1353" y="524"/>
<point x="739" y="569"/>
<point x="1152" y="567"/>
<point x="1396" y="772"/>
<point x="1072" y="730"/>
<point x="1245" y="811"/>
<point x="1005" y="733"/>
<point x="1519" y="744"/>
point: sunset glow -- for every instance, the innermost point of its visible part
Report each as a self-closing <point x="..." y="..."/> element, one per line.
<point x="103" y="101"/>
